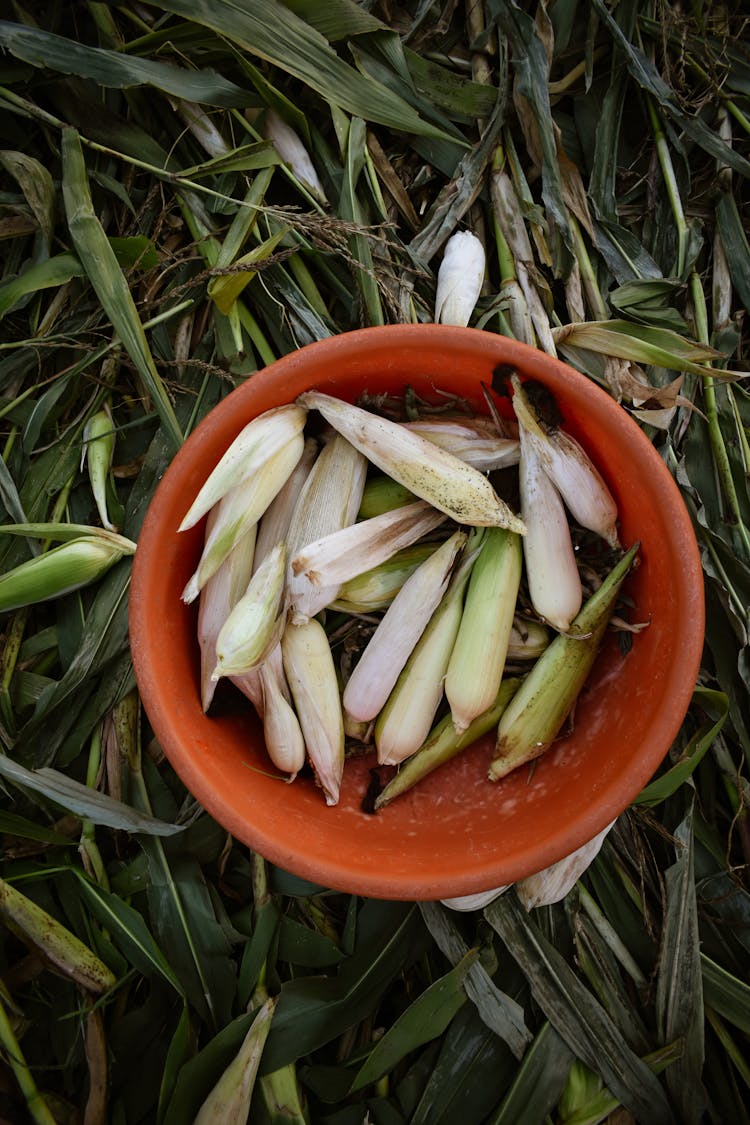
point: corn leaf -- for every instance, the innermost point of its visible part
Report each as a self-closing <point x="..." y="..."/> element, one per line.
<point x="538" y="1082"/>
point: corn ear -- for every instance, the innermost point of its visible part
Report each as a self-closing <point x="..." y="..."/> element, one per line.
<point x="246" y="456"/>
<point x="382" y="494"/>
<point x="528" y="639"/>
<point x="61" y="949"/>
<point x="323" y="565"/>
<point x="387" y="651"/>
<point x="571" y="470"/>
<point x="548" y="693"/>
<point x="98" y="449"/>
<point x="218" y="598"/>
<point x="375" y="589"/>
<point x="254" y="625"/>
<point x="551" y="568"/>
<point x="292" y="151"/>
<point x="473" y="440"/>
<point x="431" y="473"/>
<point x="312" y="680"/>
<point x="460" y="278"/>
<point x="239" y="511"/>
<point x="229" y="1100"/>
<point x="553" y="883"/>
<point x="478" y="657"/>
<point x="328" y="501"/>
<point x="60" y="571"/>
<point x="405" y="721"/>
<point x="276" y="520"/>
<point x="443" y="743"/>
<point x="281" y="730"/>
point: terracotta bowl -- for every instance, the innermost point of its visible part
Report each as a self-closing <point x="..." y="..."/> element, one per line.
<point x="456" y="833"/>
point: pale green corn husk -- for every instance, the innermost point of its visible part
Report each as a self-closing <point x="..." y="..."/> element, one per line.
<point x="459" y="280"/>
<point x="281" y="730"/>
<point x="322" y="566"/>
<point x="443" y="743"/>
<point x="431" y="473"/>
<point x="387" y="651"/>
<point x="275" y="522"/>
<point x="375" y="589"/>
<point x="571" y="470"/>
<point x="405" y="721"/>
<point x="246" y="456"/>
<point x="312" y="680"/>
<point x="229" y="1101"/>
<point x="528" y="639"/>
<point x="543" y="702"/>
<point x="553" y="883"/>
<point x="382" y="494"/>
<point x="254" y="625"/>
<point x="60" y="571"/>
<point x="98" y="449"/>
<point x="478" y="657"/>
<point x="551" y="568"/>
<point x="54" y="943"/>
<point x="240" y="510"/>
<point x="473" y="440"/>
<point x="328" y="501"/>
<point x="217" y="599"/>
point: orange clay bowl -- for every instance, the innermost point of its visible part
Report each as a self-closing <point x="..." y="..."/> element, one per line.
<point x="456" y="833"/>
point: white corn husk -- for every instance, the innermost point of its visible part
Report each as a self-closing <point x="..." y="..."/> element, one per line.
<point x="98" y="451"/>
<point x="251" y="686"/>
<point x="328" y="501"/>
<point x="478" y="658"/>
<point x="390" y="646"/>
<point x="240" y="510"/>
<point x="202" y="127"/>
<point x="406" y="719"/>
<point x="375" y="589"/>
<point x="312" y="680"/>
<point x="551" y="570"/>
<point x="255" y="623"/>
<point x="459" y="280"/>
<point x="473" y="440"/>
<point x="344" y="554"/>
<point x="292" y="151"/>
<point x="281" y="730"/>
<point x="431" y="473"/>
<point x="275" y="522"/>
<point x="246" y="456"/>
<point x="475" y="902"/>
<point x="571" y="470"/>
<point x="218" y="598"/>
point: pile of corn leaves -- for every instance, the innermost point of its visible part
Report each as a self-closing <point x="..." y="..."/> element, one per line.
<point x="152" y="270"/>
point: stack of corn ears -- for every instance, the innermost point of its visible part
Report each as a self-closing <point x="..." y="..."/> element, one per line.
<point x="295" y="529"/>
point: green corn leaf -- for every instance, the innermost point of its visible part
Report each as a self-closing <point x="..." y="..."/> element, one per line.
<point x="717" y="703"/>
<point x="539" y="1081"/>
<point x="106" y="277"/>
<point x="642" y="344"/>
<point x="726" y="994"/>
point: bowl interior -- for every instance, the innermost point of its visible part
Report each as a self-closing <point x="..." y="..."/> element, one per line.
<point x="456" y="833"/>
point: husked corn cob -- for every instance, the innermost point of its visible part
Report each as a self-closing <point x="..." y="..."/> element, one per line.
<point x="431" y="473"/>
<point x="246" y="456"/>
<point x="407" y="716"/>
<point x="255" y="623"/>
<point x="311" y="676"/>
<point x="548" y="693"/>
<point x="405" y="620"/>
<point x="478" y="658"/>
<point x="328" y="501"/>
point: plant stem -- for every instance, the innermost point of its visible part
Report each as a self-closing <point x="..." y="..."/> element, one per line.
<point x="35" y="1103"/>
<point x="670" y="180"/>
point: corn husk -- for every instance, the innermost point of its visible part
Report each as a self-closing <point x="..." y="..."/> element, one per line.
<point x="473" y="440"/>
<point x="328" y="501"/>
<point x="311" y="676"/>
<point x="239" y="511"/>
<point x="255" y="623"/>
<point x="459" y="280"/>
<point x="228" y="1103"/>
<point x="247" y="456"/>
<point x="528" y="639"/>
<point x="281" y="729"/>
<point x="98" y="451"/>
<point x="276" y="520"/>
<point x="429" y="472"/>
<point x="382" y="494"/>
<point x="292" y="151"/>
<point x="390" y="646"/>
<point x="553" y="883"/>
<point x="375" y="589"/>
<point x="60" y="571"/>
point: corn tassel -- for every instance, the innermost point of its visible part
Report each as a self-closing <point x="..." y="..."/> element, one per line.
<point x="405" y="721"/>
<point x="548" y="693"/>
<point x="387" y="651"/>
<point x="239" y="511"/>
<point x="311" y="676"/>
<point x="447" y="483"/>
<point x="254" y="625"/>
<point x="478" y="657"/>
<point x="444" y="743"/>
<point x="246" y="456"/>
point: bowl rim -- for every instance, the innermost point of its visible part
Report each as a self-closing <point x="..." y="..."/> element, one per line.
<point x="335" y="873"/>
